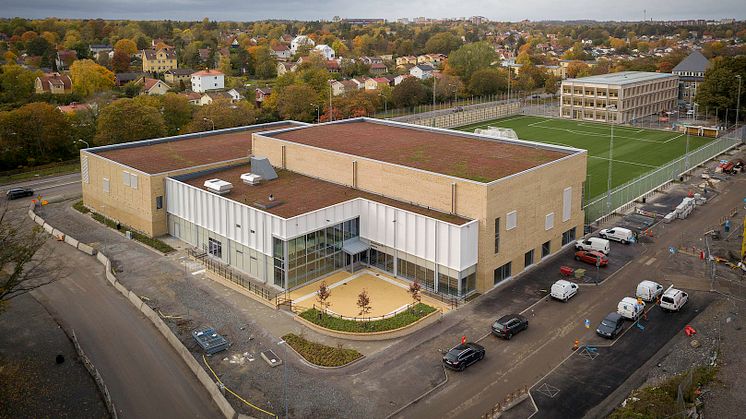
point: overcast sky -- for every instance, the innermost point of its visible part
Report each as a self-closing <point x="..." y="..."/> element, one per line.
<point x="502" y="10"/>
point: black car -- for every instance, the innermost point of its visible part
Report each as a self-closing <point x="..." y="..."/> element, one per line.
<point x="507" y="326"/>
<point x="16" y="193"/>
<point x="611" y="325"/>
<point x="463" y="355"/>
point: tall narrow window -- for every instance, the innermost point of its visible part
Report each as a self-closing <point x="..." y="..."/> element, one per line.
<point x="497" y="235"/>
<point x="566" y="203"/>
<point x="106" y="185"/>
<point x="512" y="220"/>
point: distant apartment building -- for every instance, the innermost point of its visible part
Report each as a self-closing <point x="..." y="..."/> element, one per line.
<point x="618" y="97"/>
<point x="691" y="72"/>
<point x="206" y="80"/>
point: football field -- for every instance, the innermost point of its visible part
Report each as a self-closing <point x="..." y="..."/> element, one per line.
<point x="636" y="151"/>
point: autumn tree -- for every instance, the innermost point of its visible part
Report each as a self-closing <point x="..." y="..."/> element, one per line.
<point x="120" y="62"/>
<point x="126" y="46"/>
<point x="415" y="290"/>
<point x="442" y="43"/>
<point x="448" y="87"/>
<point x="488" y="81"/>
<point x="265" y="66"/>
<point x="224" y="114"/>
<point x="177" y="112"/>
<point x="89" y="78"/>
<point x="470" y="58"/>
<point x="125" y="120"/>
<point x="720" y="87"/>
<point x="577" y="69"/>
<point x="322" y="296"/>
<point x="577" y="52"/>
<point x="410" y="92"/>
<point x="294" y="102"/>
<point x="363" y="303"/>
<point x="17" y="83"/>
<point x="33" y="134"/>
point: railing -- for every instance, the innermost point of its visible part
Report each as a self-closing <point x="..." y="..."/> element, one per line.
<point x="230" y="274"/>
<point x="627" y="193"/>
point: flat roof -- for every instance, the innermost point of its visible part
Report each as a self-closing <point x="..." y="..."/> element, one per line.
<point x="182" y="152"/>
<point x="299" y="194"/>
<point x="452" y="153"/>
<point x="622" y="78"/>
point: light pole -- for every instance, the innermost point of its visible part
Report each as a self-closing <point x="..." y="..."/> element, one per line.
<point x="611" y="110"/>
<point x="738" y="98"/>
<point x="318" y="116"/>
<point x="83" y="141"/>
<point x="385" y="104"/>
<point x="283" y="343"/>
<point x="206" y="119"/>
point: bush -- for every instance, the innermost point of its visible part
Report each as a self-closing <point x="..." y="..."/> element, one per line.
<point x="80" y="207"/>
<point x="149" y="241"/>
<point x="400" y="320"/>
<point x="322" y="355"/>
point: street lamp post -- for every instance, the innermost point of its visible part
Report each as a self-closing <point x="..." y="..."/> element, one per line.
<point x="206" y="119"/>
<point x="83" y="141"/>
<point x="611" y="110"/>
<point x="738" y="98"/>
<point x="318" y="115"/>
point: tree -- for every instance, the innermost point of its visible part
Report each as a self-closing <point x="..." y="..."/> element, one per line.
<point x="578" y="69"/>
<point x="576" y="53"/>
<point x="322" y="295"/>
<point x="177" y="112"/>
<point x="125" y="120"/>
<point x="294" y="102"/>
<point x="470" y="58"/>
<point x="488" y="81"/>
<point x="89" y="77"/>
<point x="21" y="259"/>
<point x="224" y="114"/>
<point x="719" y="90"/>
<point x="264" y="63"/>
<point x="442" y="43"/>
<point x="415" y="292"/>
<point x="17" y="83"/>
<point x="126" y="46"/>
<point x="363" y="303"/>
<point x="120" y="62"/>
<point x="551" y="84"/>
<point x="448" y="87"/>
<point x="33" y="134"/>
<point x="410" y="92"/>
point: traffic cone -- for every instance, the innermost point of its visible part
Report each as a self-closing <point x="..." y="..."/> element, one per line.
<point x="575" y="345"/>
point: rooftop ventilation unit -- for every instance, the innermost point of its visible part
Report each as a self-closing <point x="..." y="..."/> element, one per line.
<point x="251" y="179"/>
<point x="218" y="186"/>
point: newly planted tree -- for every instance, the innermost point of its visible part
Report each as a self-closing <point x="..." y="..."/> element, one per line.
<point x="363" y="302"/>
<point x="322" y="296"/>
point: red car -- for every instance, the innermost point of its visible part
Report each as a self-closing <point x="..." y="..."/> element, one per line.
<point x="592" y="257"/>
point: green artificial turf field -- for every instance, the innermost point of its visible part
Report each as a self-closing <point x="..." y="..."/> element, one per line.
<point x="636" y="151"/>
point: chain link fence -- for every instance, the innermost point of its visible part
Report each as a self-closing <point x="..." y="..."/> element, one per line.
<point x="627" y="193"/>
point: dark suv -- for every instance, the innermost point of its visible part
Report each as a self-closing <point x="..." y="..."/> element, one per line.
<point x="611" y="326"/>
<point x="463" y="355"/>
<point x="507" y="326"/>
<point x="16" y="193"/>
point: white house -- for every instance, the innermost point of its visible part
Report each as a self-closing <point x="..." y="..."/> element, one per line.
<point x="325" y="50"/>
<point x="299" y="41"/>
<point x="400" y="78"/>
<point x="281" y="51"/>
<point x="205" y="80"/>
<point x="231" y="95"/>
<point x="422" y="71"/>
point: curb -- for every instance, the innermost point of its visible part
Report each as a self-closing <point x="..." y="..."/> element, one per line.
<point x="431" y="318"/>
<point x="212" y="389"/>
<point x="321" y="367"/>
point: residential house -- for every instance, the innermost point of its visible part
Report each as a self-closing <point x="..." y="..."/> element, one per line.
<point x="555" y="70"/>
<point x="204" y="54"/>
<point x="400" y="78"/>
<point x="205" y="80"/>
<point x="378" y="69"/>
<point x="691" y="72"/>
<point x="65" y="58"/>
<point x="376" y="83"/>
<point x="158" y="61"/>
<point x="325" y="50"/>
<point x="281" y="51"/>
<point x="406" y="61"/>
<point x="100" y="49"/>
<point x="73" y="107"/>
<point x="432" y="59"/>
<point x="231" y="95"/>
<point x="371" y="60"/>
<point x="54" y="83"/>
<point x="299" y="41"/>
<point x="262" y="93"/>
<point x="177" y="75"/>
<point x="332" y="66"/>
<point x="286" y="39"/>
<point x="152" y="86"/>
<point x="120" y="79"/>
<point x="360" y="82"/>
<point x="422" y="71"/>
<point x="286" y="67"/>
<point x="193" y="97"/>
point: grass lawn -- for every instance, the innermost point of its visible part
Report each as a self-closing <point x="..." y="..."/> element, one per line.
<point x="39" y="171"/>
<point x="400" y="320"/>
<point x="636" y="151"/>
<point x="322" y="355"/>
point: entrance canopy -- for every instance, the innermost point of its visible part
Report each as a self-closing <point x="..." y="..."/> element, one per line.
<point x="354" y="246"/>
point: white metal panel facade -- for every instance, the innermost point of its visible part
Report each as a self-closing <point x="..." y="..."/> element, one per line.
<point x="430" y="239"/>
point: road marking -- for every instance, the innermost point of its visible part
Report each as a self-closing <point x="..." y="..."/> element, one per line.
<point x="650" y="262"/>
<point x="201" y="271"/>
<point x="56" y="186"/>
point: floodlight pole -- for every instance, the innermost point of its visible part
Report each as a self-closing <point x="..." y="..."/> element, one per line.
<point x="610" y="109"/>
<point x="738" y="99"/>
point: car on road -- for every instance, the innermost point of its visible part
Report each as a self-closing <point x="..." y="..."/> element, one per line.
<point x="648" y="291"/>
<point x="16" y="193"/>
<point x="507" y="326"/>
<point x="463" y="355"/>
<point x="592" y="257"/>
<point x="563" y="290"/>
<point x="630" y="308"/>
<point x="673" y="299"/>
<point x="611" y="325"/>
<point x="593" y="243"/>
<point x="458" y="109"/>
<point x="622" y="235"/>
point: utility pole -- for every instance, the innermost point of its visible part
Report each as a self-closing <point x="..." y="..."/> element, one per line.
<point x="611" y="111"/>
<point x="331" y="110"/>
<point x="738" y="99"/>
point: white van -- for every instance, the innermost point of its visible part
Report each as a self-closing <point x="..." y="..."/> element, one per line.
<point x="619" y="234"/>
<point x="673" y="299"/>
<point x="630" y="308"/>
<point x="563" y="290"/>
<point x="649" y="291"/>
<point x="593" y="243"/>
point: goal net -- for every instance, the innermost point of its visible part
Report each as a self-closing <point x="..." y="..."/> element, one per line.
<point x="497" y="132"/>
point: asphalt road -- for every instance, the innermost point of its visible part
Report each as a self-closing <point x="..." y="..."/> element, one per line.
<point x="145" y="376"/>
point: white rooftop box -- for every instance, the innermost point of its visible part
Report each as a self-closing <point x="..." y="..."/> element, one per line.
<point x="251" y="178"/>
<point x="218" y="186"/>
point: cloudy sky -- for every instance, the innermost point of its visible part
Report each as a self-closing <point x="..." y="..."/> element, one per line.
<point x="248" y="10"/>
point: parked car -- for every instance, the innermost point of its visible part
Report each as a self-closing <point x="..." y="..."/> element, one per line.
<point x="593" y="243"/>
<point x="563" y="290"/>
<point x="592" y="257"/>
<point x="630" y="308"/>
<point x="610" y="326"/>
<point x="622" y="235"/>
<point x="16" y="193"/>
<point x="673" y="299"/>
<point x="458" y="109"/>
<point x="507" y="326"/>
<point x="649" y="291"/>
<point x="461" y="356"/>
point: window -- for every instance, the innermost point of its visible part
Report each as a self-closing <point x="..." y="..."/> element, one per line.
<point x="126" y="178"/>
<point x="502" y="273"/>
<point x="106" y="185"/>
<point x="158" y="202"/>
<point x="497" y="235"/>
<point x="566" y="203"/>
<point x="568" y="236"/>
<point x="512" y="220"/>
<point x="133" y="181"/>
<point x="546" y="249"/>
<point x="215" y="247"/>
<point x="528" y="258"/>
<point x="549" y="221"/>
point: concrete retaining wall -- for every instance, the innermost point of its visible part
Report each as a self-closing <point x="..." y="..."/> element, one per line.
<point x="389" y="334"/>
<point x="217" y="397"/>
